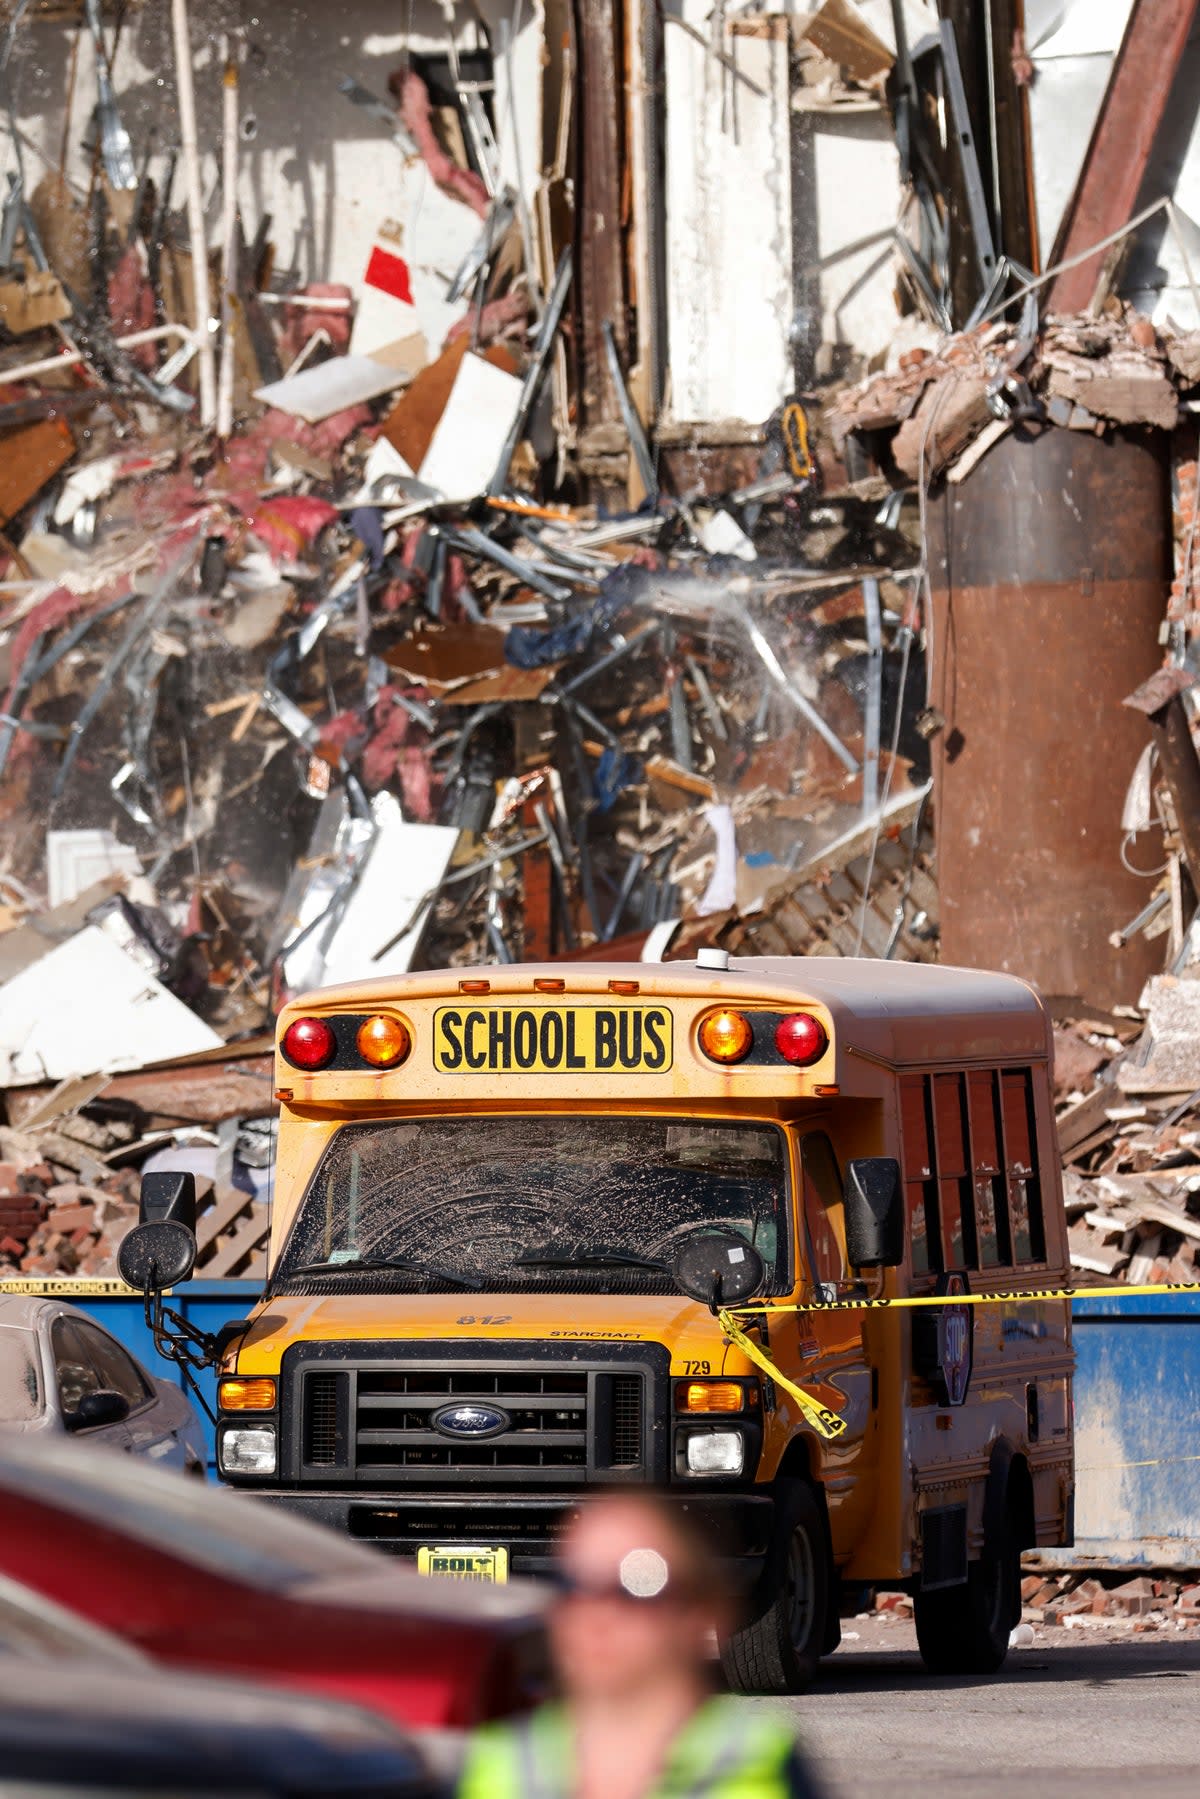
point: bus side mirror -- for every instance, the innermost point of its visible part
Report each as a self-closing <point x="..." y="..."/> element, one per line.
<point x="152" y="1257"/>
<point x="160" y="1251"/>
<point x="874" y="1212"/>
<point x="719" y="1268"/>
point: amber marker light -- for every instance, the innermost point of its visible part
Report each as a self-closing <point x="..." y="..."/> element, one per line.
<point x="246" y="1395"/>
<point x="725" y="1036"/>
<point x="710" y="1396"/>
<point x="382" y="1041"/>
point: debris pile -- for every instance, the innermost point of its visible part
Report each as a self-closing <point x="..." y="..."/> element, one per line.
<point x="1129" y="1131"/>
<point x="52" y="1222"/>
<point x="72" y="1157"/>
<point x="944" y="407"/>
<point x="514" y="678"/>
<point x="1075" y="1602"/>
<point x="351" y="690"/>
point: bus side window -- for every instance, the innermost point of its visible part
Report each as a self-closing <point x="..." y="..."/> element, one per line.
<point x="1020" y="1157"/>
<point x="920" y="1184"/>
<point x="991" y="1190"/>
<point x="953" y="1171"/>
<point x="822" y="1194"/>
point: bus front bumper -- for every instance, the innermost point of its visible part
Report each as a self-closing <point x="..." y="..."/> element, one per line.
<point x="740" y="1524"/>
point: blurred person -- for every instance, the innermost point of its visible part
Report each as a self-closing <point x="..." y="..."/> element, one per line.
<point x="638" y="1598"/>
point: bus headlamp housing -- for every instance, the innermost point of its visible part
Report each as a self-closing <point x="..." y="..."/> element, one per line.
<point x="715" y="1452"/>
<point x="245" y="1449"/>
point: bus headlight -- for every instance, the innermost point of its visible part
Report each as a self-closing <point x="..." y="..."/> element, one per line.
<point x="716" y="1452"/>
<point x="242" y="1449"/>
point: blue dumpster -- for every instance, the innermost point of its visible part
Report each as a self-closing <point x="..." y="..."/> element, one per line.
<point x="1137" y="1434"/>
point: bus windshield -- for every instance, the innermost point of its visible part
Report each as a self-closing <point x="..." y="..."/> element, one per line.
<point x="534" y="1204"/>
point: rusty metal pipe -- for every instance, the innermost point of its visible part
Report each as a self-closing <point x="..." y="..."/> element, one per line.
<point x="1050" y="567"/>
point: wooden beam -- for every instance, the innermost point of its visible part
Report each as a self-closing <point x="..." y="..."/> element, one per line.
<point x="599" y="186"/>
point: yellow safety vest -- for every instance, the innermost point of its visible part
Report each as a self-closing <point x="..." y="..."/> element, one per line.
<point x="725" y="1751"/>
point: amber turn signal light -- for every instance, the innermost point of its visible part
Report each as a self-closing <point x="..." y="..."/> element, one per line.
<point x="382" y="1041"/>
<point x="246" y="1395"/>
<point x="710" y="1396"/>
<point x="725" y="1036"/>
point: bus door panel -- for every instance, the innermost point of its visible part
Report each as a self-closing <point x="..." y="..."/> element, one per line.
<point x="829" y="1345"/>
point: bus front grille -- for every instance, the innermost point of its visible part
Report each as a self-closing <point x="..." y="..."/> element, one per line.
<point x="372" y="1416"/>
<point x="419" y="1419"/>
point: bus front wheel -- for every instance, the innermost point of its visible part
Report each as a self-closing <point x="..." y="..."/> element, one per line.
<point x="965" y="1629"/>
<point x="779" y="1649"/>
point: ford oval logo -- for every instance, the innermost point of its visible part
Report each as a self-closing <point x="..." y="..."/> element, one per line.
<point x="471" y="1420"/>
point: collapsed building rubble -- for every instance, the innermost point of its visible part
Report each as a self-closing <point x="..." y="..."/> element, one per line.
<point x="312" y="768"/>
<point x="503" y="586"/>
<point x="1129" y="1130"/>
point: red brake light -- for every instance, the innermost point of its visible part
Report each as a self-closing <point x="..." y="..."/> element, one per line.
<point x="801" y="1039"/>
<point x="309" y="1043"/>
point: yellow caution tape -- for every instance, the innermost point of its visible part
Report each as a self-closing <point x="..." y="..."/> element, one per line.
<point x="822" y="1419"/>
<point x="1163" y="1461"/>
<point x="829" y="1423"/>
<point x="1009" y="1296"/>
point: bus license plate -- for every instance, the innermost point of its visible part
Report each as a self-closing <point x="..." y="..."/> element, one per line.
<point x="464" y="1563"/>
<point x="552" y="1039"/>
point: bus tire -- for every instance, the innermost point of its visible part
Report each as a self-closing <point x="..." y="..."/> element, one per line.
<point x="779" y="1649"/>
<point x="965" y="1629"/>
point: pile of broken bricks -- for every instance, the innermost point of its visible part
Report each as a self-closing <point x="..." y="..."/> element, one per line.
<point x="52" y="1222"/>
<point x="1074" y="1601"/>
<point x="1145" y="1603"/>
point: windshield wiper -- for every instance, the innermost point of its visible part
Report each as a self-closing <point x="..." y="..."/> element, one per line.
<point x="593" y="1258"/>
<point x="372" y="1264"/>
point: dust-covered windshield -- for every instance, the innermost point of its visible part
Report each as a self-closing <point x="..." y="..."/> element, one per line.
<point x="521" y="1204"/>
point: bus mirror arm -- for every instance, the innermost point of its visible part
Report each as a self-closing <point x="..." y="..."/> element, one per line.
<point x="874" y="1212"/>
<point x="156" y="1255"/>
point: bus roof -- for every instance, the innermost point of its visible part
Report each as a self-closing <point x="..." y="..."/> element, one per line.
<point x="903" y="1012"/>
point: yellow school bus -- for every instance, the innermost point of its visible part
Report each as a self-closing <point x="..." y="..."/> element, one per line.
<point x="523" y="1215"/>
